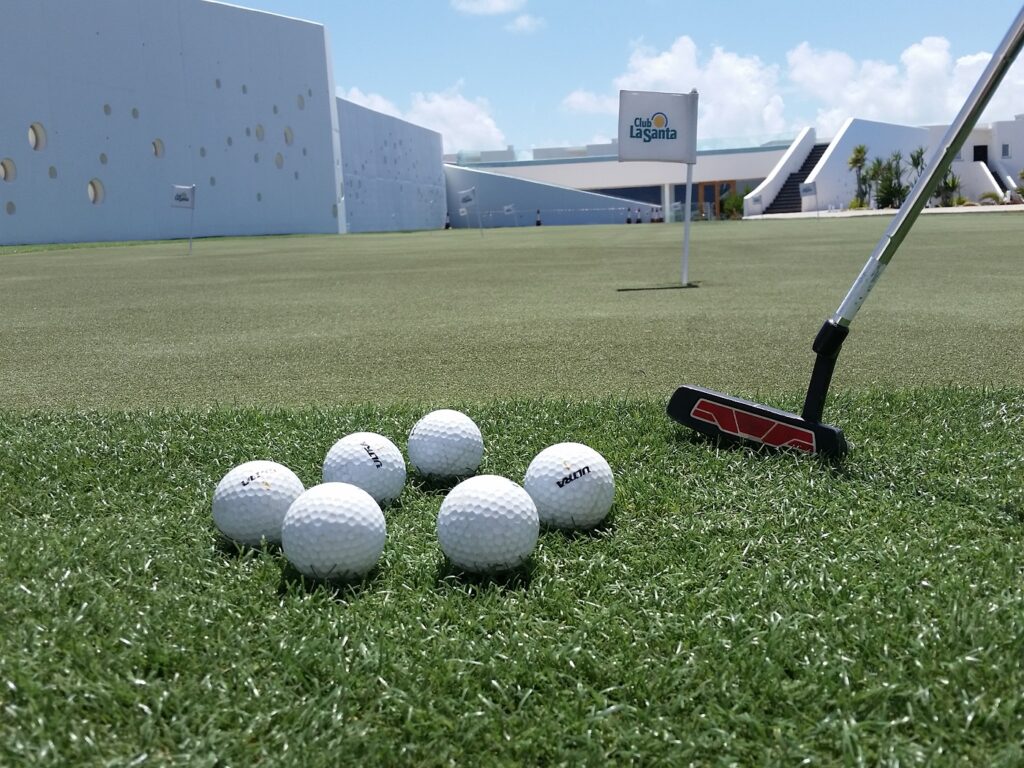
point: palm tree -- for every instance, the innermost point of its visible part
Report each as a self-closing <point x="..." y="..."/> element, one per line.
<point x="917" y="162"/>
<point x="856" y="164"/>
<point x="873" y="175"/>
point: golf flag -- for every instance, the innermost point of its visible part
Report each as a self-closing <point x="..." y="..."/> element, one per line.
<point x="658" y="126"/>
<point x="467" y="196"/>
<point x="183" y="197"/>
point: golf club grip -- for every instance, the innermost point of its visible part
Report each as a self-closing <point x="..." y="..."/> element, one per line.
<point x="951" y="143"/>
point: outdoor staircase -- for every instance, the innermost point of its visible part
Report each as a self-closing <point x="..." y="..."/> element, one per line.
<point x="788" y="199"/>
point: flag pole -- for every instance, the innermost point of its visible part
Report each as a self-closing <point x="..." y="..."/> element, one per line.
<point x="686" y="224"/>
<point x="192" y="220"/>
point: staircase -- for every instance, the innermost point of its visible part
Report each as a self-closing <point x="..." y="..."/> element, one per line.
<point x="997" y="177"/>
<point x="788" y="199"/>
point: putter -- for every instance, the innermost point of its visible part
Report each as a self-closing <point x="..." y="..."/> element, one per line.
<point x="726" y="417"/>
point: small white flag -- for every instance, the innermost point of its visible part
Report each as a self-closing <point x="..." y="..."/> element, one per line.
<point x="510" y="208"/>
<point x="467" y="195"/>
<point x="184" y="197"/>
<point x="462" y="211"/>
<point x="658" y="126"/>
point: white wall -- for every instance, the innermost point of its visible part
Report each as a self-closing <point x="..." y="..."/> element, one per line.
<point x="791" y="160"/>
<point x="836" y="183"/>
<point x="1008" y="132"/>
<point x="393" y="174"/>
<point x="609" y="173"/>
<point x="242" y="101"/>
<point x="557" y="205"/>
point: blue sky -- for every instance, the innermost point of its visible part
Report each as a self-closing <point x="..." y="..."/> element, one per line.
<point x="536" y="73"/>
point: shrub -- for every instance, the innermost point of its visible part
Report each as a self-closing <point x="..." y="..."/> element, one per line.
<point x="995" y="197"/>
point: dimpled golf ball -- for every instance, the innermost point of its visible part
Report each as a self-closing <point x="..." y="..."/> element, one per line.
<point x="487" y="524"/>
<point x="445" y="443"/>
<point x="333" y="531"/>
<point x="369" y="461"/>
<point x="572" y="486"/>
<point x="251" y="500"/>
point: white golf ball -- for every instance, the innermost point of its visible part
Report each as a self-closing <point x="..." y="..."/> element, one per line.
<point x="369" y="461"/>
<point x="446" y="443"/>
<point x="487" y="524"/>
<point x="251" y="500"/>
<point x="572" y="486"/>
<point x="334" y="531"/>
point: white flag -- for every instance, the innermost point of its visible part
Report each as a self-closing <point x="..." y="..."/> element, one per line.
<point x="463" y="211"/>
<point x="184" y="197"/>
<point x="658" y="126"/>
<point x="467" y="195"/>
<point x="510" y="208"/>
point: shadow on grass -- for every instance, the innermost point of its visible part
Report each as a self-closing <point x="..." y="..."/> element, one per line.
<point x="436" y="486"/>
<point x="340" y="589"/>
<point x="602" y="530"/>
<point x="473" y="584"/>
<point x="676" y="286"/>
<point x="835" y="465"/>
<point x="237" y="551"/>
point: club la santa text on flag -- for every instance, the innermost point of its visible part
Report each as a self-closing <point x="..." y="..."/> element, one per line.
<point x="183" y="197"/>
<point x="658" y="126"/>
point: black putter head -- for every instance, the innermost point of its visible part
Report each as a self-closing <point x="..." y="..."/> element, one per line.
<point x="723" y="416"/>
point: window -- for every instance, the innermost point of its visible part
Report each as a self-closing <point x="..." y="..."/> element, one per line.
<point x="1006" y="151"/>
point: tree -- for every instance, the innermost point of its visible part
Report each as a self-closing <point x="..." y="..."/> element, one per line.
<point x="873" y="175"/>
<point x="917" y="162"/>
<point x="856" y="163"/>
<point x="948" y="188"/>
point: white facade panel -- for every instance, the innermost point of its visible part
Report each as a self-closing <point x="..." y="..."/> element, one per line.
<point x="392" y="171"/>
<point x="504" y="201"/>
<point x="135" y="96"/>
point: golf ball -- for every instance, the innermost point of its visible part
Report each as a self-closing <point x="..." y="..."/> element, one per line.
<point x="487" y="524"/>
<point x="572" y="486"/>
<point x="369" y="461"/>
<point x="251" y="500"/>
<point x="446" y="443"/>
<point x="333" y="531"/>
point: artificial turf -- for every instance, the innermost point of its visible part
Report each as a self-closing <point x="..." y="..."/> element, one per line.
<point x="737" y="608"/>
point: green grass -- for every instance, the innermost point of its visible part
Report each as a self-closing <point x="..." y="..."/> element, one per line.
<point x="516" y="313"/>
<point x="738" y="608"/>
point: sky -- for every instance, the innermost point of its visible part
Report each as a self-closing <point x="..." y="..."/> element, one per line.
<point x="487" y="74"/>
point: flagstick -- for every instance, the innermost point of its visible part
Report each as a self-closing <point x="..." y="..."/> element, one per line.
<point x="192" y="220"/>
<point x="686" y="224"/>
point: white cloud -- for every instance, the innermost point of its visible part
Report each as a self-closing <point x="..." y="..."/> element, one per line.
<point x="588" y="102"/>
<point x="739" y="95"/>
<point x="487" y="7"/>
<point x="372" y="101"/>
<point x="464" y="124"/>
<point x="927" y="86"/>
<point x="525" y="24"/>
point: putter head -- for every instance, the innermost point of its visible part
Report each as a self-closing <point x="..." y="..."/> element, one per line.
<point x="723" y="416"/>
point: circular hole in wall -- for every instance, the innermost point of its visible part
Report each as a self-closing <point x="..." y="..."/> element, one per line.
<point x="296" y="175"/>
<point x="259" y="132"/>
<point x="37" y="136"/>
<point x="107" y="110"/>
<point x="303" y="151"/>
<point x="245" y="89"/>
<point x="53" y="172"/>
<point x="213" y="181"/>
<point x="248" y="131"/>
<point x="289" y="136"/>
<point x="95" y="191"/>
<point x="103" y="158"/>
<point x="279" y="160"/>
<point x="158" y="148"/>
<point x="202" y="151"/>
<point x="11" y="208"/>
<point x="135" y="113"/>
<point x="334" y="210"/>
<point x="230" y="141"/>
<point x="8" y="170"/>
<point x="301" y="101"/>
<point x="275" y="109"/>
<point x="259" y="197"/>
<point x="256" y="157"/>
<point x="310" y="92"/>
<point x="216" y="83"/>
